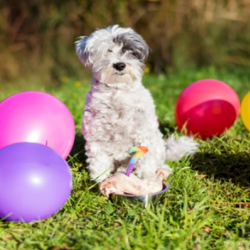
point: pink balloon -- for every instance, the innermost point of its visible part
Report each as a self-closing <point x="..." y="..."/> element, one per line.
<point x="36" y="117"/>
<point x="207" y="107"/>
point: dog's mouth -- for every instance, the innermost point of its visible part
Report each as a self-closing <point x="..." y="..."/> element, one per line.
<point x="119" y="73"/>
<point x="111" y="76"/>
<point x="126" y="75"/>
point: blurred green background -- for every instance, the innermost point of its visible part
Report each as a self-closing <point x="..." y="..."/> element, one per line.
<point x="37" y="36"/>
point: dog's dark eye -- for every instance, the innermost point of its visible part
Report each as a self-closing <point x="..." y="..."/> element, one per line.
<point x="124" y="50"/>
<point x="110" y="51"/>
<point x="136" y="55"/>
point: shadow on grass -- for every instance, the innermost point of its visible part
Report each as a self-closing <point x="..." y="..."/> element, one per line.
<point x="167" y="128"/>
<point x="224" y="165"/>
<point x="78" y="149"/>
<point x="234" y="167"/>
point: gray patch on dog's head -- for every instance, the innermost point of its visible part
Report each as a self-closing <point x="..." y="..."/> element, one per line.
<point x="133" y="42"/>
<point x="81" y="50"/>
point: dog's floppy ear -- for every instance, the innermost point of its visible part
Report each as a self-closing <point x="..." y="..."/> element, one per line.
<point x="83" y="51"/>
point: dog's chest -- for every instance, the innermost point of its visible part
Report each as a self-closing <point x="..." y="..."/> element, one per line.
<point x="118" y="114"/>
<point x="119" y="107"/>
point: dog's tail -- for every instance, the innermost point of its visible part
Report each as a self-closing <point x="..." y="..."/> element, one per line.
<point x="178" y="148"/>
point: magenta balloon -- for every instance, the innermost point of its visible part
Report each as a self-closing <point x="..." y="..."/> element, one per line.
<point x="36" y="117"/>
<point x="35" y="182"/>
<point x="207" y="107"/>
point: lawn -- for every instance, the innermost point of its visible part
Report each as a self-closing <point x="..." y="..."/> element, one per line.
<point x="207" y="206"/>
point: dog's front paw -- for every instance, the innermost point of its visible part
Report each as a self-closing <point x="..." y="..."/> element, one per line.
<point x="163" y="173"/>
<point x="109" y="188"/>
<point x="111" y="184"/>
<point x="119" y="183"/>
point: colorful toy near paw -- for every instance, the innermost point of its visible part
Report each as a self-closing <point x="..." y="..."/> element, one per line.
<point x="207" y="108"/>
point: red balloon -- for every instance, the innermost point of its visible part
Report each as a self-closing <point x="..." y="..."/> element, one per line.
<point x="206" y="108"/>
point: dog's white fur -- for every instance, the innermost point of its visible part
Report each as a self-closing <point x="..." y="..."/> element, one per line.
<point x="119" y="111"/>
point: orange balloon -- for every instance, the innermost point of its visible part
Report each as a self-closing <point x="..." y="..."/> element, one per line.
<point x="245" y="111"/>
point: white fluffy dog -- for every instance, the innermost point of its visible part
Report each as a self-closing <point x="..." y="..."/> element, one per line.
<point x="119" y="111"/>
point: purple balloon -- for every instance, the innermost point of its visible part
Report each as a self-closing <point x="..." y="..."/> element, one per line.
<point x="35" y="182"/>
<point x="36" y="117"/>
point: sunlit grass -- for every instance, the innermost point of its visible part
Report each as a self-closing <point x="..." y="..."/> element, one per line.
<point x="207" y="206"/>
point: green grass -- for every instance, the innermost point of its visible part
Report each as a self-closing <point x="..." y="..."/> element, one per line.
<point x="207" y="206"/>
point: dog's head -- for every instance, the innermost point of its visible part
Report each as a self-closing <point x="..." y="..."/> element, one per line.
<point x="114" y="54"/>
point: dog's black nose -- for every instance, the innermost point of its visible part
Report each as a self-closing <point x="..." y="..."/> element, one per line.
<point x="119" y="66"/>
